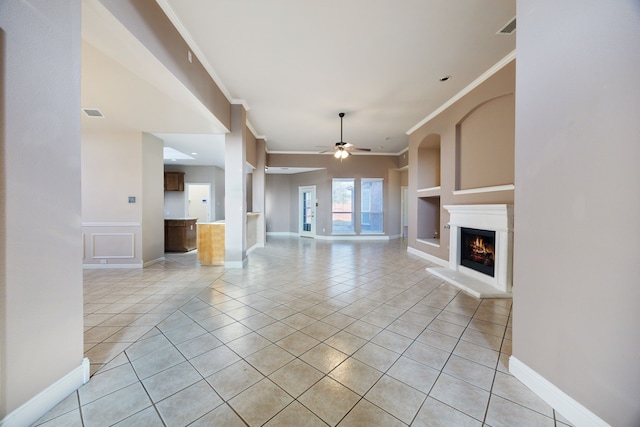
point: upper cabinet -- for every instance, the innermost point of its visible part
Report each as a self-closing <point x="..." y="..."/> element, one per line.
<point x="174" y="181"/>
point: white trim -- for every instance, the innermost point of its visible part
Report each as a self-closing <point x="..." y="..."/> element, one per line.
<point x="331" y="153"/>
<point x="29" y="412"/>
<point x="254" y="247"/>
<point x="111" y="224"/>
<point x="472" y="286"/>
<point x="430" y="242"/>
<point x="428" y="190"/>
<point x="493" y="189"/>
<point x="244" y="104"/>
<point x="154" y="261"/>
<point x="572" y="410"/>
<point x="93" y="246"/>
<point x="428" y="257"/>
<point x="106" y="266"/>
<point x="354" y="237"/>
<point x="282" y="233"/>
<point x="483" y="77"/>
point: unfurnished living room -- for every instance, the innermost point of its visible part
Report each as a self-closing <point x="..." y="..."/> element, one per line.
<point x="343" y="213"/>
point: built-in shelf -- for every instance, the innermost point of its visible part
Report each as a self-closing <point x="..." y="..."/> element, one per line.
<point x="429" y="192"/>
<point x="428" y="227"/>
<point x="493" y="189"/>
<point x="430" y="242"/>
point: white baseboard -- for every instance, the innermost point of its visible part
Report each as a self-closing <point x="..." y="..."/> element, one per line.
<point x="377" y="237"/>
<point x="103" y="266"/>
<point x="573" y="411"/>
<point x="29" y="412"/>
<point x="354" y="237"/>
<point x="254" y="247"/>
<point x="428" y="257"/>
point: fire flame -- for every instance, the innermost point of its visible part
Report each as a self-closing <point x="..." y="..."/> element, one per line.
<point x="478" y="247"/>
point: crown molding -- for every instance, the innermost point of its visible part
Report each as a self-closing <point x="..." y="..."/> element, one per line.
<point x="474" y="84"/>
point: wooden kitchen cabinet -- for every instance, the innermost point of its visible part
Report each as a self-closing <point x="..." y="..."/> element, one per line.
<point x="174" y="181"/>
<point x="180" y="235"/>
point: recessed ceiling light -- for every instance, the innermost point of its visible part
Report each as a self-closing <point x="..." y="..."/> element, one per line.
<point x="444" y="78"/>
<point x="194" y="154"/>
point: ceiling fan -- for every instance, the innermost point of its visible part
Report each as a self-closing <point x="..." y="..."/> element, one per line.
<point x="342" y="148"/>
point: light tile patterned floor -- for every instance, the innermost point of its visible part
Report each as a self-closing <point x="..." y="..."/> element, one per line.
<point x="310" y="333"/>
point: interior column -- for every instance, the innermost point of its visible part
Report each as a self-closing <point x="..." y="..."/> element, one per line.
<point x="235" y="178"/>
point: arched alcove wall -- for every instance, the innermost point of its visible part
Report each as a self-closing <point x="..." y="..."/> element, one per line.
<point x="485" y="145"/>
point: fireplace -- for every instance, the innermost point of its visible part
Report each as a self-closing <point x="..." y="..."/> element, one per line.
<point x="480" y="250"/>
<point x="477" y="250"/>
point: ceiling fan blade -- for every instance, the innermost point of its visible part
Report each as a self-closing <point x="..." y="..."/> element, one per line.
<point x="358" y="149"/>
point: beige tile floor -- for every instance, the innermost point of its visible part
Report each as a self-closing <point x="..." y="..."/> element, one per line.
<point x="310" y="333"/>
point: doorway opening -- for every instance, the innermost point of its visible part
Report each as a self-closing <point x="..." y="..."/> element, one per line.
<point x="198" y="200"/>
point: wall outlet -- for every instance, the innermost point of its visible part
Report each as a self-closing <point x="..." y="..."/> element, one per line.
<point x="103" y="261"/>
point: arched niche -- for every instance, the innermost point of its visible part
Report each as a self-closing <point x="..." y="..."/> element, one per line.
<point x="485" y="145"/>
<point x="429" y="162"/>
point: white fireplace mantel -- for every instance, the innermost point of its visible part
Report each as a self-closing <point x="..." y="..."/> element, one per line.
<point x="497" y="218"/>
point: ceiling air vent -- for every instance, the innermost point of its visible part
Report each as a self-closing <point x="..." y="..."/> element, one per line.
<point x="509" y="28"/>
<point x="93" y="112"/>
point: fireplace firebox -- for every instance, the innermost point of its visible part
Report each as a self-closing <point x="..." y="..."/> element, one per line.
<point x="477" y="250"/>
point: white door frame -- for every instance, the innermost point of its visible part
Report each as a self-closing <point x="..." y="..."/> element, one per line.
<point x="314" y="200"/>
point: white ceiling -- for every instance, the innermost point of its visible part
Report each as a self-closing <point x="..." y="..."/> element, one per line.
<point x="297" y="64"/>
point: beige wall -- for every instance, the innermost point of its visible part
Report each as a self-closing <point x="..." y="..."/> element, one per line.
<point x="148" y="23"/>
<point x="435" y="155"/>
<point x="152" y="199"/>
<point x="41" y="334"/>
<point x="485" y="151"/>
<point x="252" y="158"/>
<point x="112" y="171"/>
<point x="278" y="203"/>
<point x="363" y="166"/>
<point x="577" y="210"/>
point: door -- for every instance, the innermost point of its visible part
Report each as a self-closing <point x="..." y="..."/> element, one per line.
<point x="307" y="211"/>
<point x="198" y="202"/>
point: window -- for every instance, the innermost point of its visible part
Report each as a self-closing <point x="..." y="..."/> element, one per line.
<point x="371" y="212"/>
<point x="342" y="205"/>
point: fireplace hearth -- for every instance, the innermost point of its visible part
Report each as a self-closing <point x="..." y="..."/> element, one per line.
<point x="480" y="250"/>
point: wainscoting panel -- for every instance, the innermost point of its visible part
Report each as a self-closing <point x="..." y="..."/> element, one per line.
<point x="112" y="244"/>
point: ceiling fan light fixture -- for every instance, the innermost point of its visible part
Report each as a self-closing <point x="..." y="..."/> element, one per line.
<point x="341" y="153"/>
